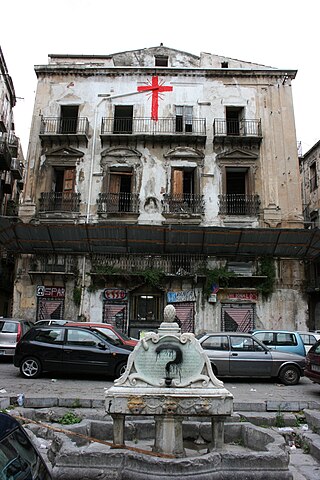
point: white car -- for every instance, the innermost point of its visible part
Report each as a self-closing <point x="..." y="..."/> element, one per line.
<point x="309" y="338"/>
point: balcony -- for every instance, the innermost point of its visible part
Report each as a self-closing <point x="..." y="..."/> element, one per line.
<point x="163" y="128"/>
<point x="118" y="203"/>
<point x="170" y="264"/>
<point x="5" y="152"/>
<point x="16" y="168"/>
<point x="186" y="203"/>
<point x="238" y="204"/>
<point x="64" y="130"/>
<point x="237" y="132"/>
<point x="68" y="202"/>
<point x="53" y="264"/>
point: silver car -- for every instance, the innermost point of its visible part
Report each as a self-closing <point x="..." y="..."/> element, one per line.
<point x="236" y="354"/>
<point x="11" y="330"/>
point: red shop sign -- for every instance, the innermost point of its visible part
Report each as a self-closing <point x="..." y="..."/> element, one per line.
<point x="115" y="294"/>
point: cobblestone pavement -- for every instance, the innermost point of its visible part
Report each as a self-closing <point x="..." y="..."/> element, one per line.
<point x="249" y="396"/>
<point x="62" y="386"/>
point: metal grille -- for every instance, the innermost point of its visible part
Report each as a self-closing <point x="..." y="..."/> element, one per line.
<point x="238" y="317"/>
<point x="116" y="315"/>
<point x="185" y="316"/>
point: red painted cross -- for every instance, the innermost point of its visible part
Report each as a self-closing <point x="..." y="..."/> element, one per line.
<point x="155" y="88"/>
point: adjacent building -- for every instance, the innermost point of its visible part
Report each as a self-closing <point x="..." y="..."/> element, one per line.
<point x="309" y="170"/>
<point x="11" y="180"/>
<point x="157" y="176"/>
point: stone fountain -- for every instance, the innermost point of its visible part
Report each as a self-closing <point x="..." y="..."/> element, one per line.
<point x="169" y="377"/>
<point x="168" y="416"/>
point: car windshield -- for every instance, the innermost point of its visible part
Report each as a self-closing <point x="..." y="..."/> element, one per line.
<point x="121" y="334"/>
<point x="109" y="335"/>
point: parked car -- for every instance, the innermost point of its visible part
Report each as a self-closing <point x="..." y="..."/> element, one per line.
<point x="71" y="350"/>
<point x="19" y="458"/>
<point x="281" y="340"/>
<point x="312" y="369"/>
<point x="309" y="339"/>
<point x="11" y="330"/>
<point x="110" y="331"/>
<point x="52" y="321"/>
<point x="235" y="354"/>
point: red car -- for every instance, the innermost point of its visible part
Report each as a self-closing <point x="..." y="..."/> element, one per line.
<point x="108" y="330"/>
<point x="312" y="368"/>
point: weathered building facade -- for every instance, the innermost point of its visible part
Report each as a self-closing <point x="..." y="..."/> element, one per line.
<point x="11" y="180"/>
<point x="309" y="170"/>
<point x="156" y="176"/>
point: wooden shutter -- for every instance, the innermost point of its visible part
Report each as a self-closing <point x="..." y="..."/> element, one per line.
<point x="177" y="182"/>
<point x="69" y="180"/>
<point x="115" y="181"/>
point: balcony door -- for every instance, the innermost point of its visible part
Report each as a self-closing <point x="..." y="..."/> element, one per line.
<point x="64" y="185"/>
<point x="69" y="119"/>
<point x="236" y="190"/>
<point x="182" y="191"/>
<point x="123" y="117"/>
<point x="120" y="192"/>
<point x="184" y="119"/>
<point x="234" y="115"/>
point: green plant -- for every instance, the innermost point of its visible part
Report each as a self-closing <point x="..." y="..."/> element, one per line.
<point x="106" y="270"/>
<point x="268" y="270"/>
<point x="279" y="419"/>
<point x="76" y="403"/>
<point x="305" y="447"/>
<point x="152" y="276"/>
<point x="69" y="418"/>
<point x="219" y="276"/>
<point x="77" y="296"/>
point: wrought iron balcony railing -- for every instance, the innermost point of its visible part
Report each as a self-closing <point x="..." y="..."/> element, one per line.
<point x="147" y="126"/>
<point x="169" y="264"/>
<point x="59" y="202"/>
<point x="237" y="128"/>
<point x="118" y="203"/>
<point x="53" y="263"/>
<point x="183" y="203"/>
<point x="238" y="204"/>
<point x="64" y="126"/>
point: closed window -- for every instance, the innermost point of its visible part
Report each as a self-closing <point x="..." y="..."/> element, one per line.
<point x="216" y="343"/>
<point x="52" y="336"/>
<point x="82" y="338"/>
<point x="184" y="118"/>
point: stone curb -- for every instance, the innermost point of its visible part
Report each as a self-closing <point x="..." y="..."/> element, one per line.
<point x="262" y="406"/>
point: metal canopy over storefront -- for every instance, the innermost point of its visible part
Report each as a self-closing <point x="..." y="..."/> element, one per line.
<point x="107" y="237"/>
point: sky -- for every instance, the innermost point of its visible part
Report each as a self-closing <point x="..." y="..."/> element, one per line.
<point x="277" y="33"/>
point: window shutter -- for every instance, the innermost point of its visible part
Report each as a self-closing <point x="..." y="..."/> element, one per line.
<point x="114" y="186"/>
<point x="177" y="182"/>
<point x="69" y="180"/>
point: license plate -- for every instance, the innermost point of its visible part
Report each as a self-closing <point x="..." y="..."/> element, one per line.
<point x="315" y="368"/>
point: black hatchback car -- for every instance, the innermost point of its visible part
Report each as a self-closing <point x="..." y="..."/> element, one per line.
<point x="58" y="348"/>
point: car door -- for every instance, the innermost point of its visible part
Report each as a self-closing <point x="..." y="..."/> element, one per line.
<point x="217" y="349"/>
<point x="47" y="345"/>
<point x="85" y="351"/>
<point x="248" y="357"/>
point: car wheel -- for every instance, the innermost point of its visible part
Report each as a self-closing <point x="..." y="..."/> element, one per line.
<point x="289" y="375"/>
<point x="30" y="368"/>
<point x="121" y="368"/>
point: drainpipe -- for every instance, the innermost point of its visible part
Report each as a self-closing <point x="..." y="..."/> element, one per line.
<point x="94" y="139"/>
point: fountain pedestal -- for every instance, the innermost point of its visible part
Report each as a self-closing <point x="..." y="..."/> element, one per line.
<point x="169" y="377"/>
